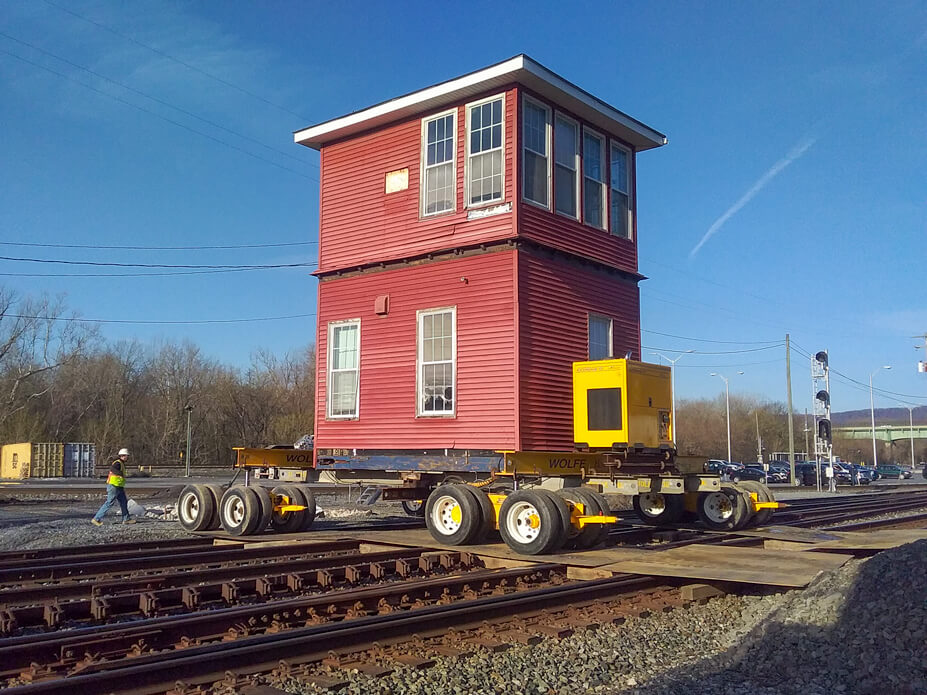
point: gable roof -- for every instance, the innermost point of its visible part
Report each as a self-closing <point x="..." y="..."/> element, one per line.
<point x="522" y="70"/>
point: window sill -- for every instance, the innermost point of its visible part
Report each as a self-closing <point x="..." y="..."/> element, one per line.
<point x="539" y="206"/>
<point x="432" y="215"/>
<point x="484" y="204"/>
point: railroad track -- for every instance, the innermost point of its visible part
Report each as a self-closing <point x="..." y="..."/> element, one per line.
<point x="188" y="611"/>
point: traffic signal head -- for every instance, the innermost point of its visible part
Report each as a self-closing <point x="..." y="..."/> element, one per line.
<point x="821" y="357"/>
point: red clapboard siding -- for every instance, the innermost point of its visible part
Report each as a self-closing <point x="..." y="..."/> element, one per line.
<point x="555" y="298"/>
<point x="360" y="223"/>
<point x="557" y="231"/>
<point x="486" y="412"/>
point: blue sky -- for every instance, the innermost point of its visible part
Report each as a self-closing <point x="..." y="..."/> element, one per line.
<point x="791" y="196"/>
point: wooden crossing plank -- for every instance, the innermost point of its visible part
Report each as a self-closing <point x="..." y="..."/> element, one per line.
<point x="750" y="565"/>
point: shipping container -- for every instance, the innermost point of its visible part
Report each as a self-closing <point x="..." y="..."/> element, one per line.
<point x="79" y="459"/>
<point x="47" y="460"/>
<point x="15" y="460"/>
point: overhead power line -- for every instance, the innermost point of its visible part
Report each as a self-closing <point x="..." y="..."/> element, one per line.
<point x="771" y="343"/>
<point x="157" y="115"/>
<point x="725" y="352"/>
<point x="61" y="261"/>
<point x="156" y="99"/>
<point x="157" y="248"/>
<point x="137" y="275"/>
<point x="159" y="323"/>
<point x="161" y="53"/>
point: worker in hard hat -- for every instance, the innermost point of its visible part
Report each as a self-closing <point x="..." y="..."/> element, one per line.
<point x="115" y="490"/>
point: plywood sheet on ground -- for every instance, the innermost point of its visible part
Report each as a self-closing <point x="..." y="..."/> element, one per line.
<point x="876" y="539"/>
<point x="791" y="533"/>
<point x="587" y="558"/>
<point x="750" y="565"/>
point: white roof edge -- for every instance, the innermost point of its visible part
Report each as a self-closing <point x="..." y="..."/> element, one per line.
<point x="314" y="136"/>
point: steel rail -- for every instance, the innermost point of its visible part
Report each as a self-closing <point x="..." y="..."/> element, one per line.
<point x="10" y="557"/>
<point x="156" y="673"/>
<point x="162" y="633"/>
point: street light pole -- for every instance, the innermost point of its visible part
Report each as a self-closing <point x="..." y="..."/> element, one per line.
<point x="189" y="409"/>
<point x="673" y="384"/>
<point x="875" y="455"/>
<point x="727" y="398"/>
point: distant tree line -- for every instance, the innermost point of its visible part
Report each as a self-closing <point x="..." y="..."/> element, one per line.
<point x="60" y="381"/>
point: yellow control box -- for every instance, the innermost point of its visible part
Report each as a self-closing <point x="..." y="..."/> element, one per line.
<point x="621" y="403"/>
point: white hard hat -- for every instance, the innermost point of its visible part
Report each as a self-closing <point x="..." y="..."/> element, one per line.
<point x="123" y="452"/>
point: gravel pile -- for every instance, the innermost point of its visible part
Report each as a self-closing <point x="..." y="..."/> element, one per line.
<point x="859" y="629"/>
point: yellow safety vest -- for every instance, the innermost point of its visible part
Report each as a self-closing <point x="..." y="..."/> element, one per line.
<point x="117" y="480"/>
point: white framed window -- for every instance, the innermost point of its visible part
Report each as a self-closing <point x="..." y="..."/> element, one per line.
<point x="594" y="179"/>
<point x="485" y="140"/>
<point x="437" y="361"/>
<point x="620" y="208"/>
<point x="600" y="337"/>
<point x="536" y="150"/>
<point x="439" y="172"/>
<point x="566" y="166"/>
<point x="343" y="368"/>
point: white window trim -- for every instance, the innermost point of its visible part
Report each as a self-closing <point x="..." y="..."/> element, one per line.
<point x="629" y="155"/>
<point x="611" y="335"/>
<point x="328" y="368"/>
<point x="577" y="168"/>
<point x="419" y="315"/>
<point x="605" y="162"/>
<point x="424" y="157"/>
<point x="501" y="199"/>
<point x="549" y="157"/>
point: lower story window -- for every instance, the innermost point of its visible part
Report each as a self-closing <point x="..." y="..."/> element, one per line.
<point x="600" y="338"/>
<point x="343" y="368"/>
<point x="437" y="353"/>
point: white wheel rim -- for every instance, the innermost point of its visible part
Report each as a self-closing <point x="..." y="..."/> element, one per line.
<point x="718" y="507"/>
<point x="442" y="515"/>
<point x="414" y="505"/>
<point x="234" y="511"/>
<point x="518" y="522"/>
<point x="652" y="503"/>
<point x="189" y="508"/>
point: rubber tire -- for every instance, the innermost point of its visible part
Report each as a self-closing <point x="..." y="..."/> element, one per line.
<point x="672" y="512"/>
<point x="487" y="514"/>
<point x="289" y="522"/>
<point x="217" y="492"/>
<point x="408" y="506"/>
<point x="563" y="509"/>
<point x="604" y="508"/>
<point x="471" y="514"/>
<point x="551" y="533"/>
<point x="590" y="535"/>
<point x="736" y="519"/>
<point x="311" y="507"/>
<point x="205" y="507"/>
<point x="267" y="508"/>
<point x="252" y="511"/>
<point x="763" y="494"/>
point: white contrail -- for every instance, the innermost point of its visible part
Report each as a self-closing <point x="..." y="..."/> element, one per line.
<point x="793" y="154"/>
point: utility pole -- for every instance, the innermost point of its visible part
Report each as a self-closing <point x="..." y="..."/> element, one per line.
<point x="189" y="409"/>
<point x="759" y="441"/>
<point x="807" y="430"/>
<point x="788" y="383"/>
<point x="922" y="366"/>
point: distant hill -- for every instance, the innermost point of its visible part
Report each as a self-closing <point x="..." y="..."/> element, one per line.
<point x="883" y="416"/>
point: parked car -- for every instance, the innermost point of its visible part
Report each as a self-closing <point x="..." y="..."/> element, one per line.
<point x="890" y="470"/>
<point x="773" y="475"/>
<point x="806" y="472"/>
<point x="908" y="471"/>
<point x="739" y="471"/>
<point x="843" y="473"/>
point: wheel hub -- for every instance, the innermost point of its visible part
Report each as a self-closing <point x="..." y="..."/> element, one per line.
<point x="524" y="522"/>
<point x="446" y="515"/>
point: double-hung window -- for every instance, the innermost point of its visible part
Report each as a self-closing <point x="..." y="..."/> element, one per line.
<point x="536" y="162"/>
<point x="593" y="179"/>
<point x="439" y="184"/>
<point x="437" y="356"/>
<point x="484" y="151"/>
<point x="566" y="166"/>
<point x="621" y="193"/>
<point x="343" y="368"/>
<point x="600" y="337"/>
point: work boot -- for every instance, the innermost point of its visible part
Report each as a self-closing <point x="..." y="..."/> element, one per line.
<point x="96" y="523"/>
<point x="129" y="521"/>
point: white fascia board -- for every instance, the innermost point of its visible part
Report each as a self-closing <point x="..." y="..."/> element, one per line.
<point x="521" y="68"/>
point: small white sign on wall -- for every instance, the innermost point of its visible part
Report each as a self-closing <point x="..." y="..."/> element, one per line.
<point x="397" y="180"/>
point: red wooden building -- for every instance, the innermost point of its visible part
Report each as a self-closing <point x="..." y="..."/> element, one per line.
<point x="476" y="238"/>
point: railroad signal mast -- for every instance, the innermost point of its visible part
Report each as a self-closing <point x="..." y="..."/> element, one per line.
<point x="820" y="388"/>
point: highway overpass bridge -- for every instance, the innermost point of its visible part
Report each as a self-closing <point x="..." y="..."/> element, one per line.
<point x="884" y="433"/>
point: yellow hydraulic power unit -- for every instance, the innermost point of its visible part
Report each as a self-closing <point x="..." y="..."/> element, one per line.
<point x="621" y="403"/>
